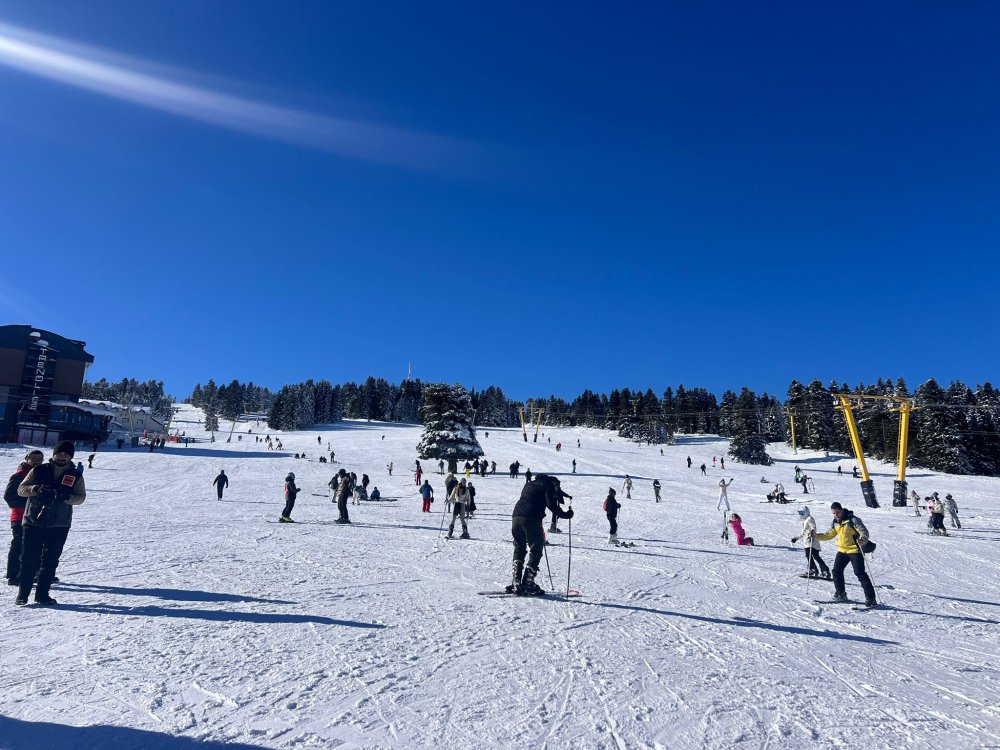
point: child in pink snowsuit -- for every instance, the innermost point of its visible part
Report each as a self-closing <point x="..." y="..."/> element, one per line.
<point x="741" y="536"/>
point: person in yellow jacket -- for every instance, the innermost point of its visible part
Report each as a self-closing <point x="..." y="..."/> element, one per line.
<point x="851" y="535"/>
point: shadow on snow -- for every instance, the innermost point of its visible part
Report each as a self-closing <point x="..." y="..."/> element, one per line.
<point x="16" y="734"/>
<point x="178" y="595"/>
<point x="259" y="618"/>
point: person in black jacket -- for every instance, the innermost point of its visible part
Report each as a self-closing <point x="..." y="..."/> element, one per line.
<point x="51" y="491"/>
<point x="611" y="506"/>
<point x="16" y="504"/>
<point x="221" y="482"/>
<point x="291" y="492"/>
<point x="526" y="528"/>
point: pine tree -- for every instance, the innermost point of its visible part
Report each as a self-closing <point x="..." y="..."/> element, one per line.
<point x="747" y="445"/>
<point x="449" y="432"/>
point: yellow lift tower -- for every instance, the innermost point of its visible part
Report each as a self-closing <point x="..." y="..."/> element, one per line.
<point x="538" y="425"/>
<point x="847" y="404"/>
<point x="524" y="430"/>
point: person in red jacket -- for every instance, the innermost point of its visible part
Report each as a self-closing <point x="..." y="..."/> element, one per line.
<point x="17" y="503"/>
<point x="741" y="536"/>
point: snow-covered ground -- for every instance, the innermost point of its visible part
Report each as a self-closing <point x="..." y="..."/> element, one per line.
<point x="184" y="621"/>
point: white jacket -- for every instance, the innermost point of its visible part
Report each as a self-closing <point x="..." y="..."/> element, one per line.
<point x="807" y="537"/>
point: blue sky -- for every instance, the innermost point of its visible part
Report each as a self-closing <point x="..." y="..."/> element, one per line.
<point x="546" y="197"/>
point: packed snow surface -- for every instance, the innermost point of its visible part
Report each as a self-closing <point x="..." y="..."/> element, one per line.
<point x="184" y="621"/>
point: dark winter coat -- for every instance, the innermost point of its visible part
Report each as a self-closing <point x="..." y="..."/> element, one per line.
<point x="536" y="496"/>
<point x="612" y="505"/>
<point x="51" y="492"/>
<point x="291" y="491"/>
<point x="345" y="488"/>
<point x="222" y="481"/>
<point x="10" y="496"/>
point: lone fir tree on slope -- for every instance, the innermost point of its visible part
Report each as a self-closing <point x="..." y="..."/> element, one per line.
<point x="449" y="434"/>
<point x="747" y="445"/>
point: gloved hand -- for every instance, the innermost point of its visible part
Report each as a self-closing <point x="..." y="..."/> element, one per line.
<point x="794" y="539"/>
<point x="63" y="494"/>
<point x="569" y="513"/>
<point x="45" y="494"/>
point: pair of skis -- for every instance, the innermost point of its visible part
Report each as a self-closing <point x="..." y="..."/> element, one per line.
<point x="547" y="595"/>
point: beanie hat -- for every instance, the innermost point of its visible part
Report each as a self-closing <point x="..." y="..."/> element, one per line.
<point x="836" y="506"/>
<point x="37" y="452"/>
<point x="65" y="446"/>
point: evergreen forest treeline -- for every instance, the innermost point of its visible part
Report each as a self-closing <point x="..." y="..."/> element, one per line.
<point x="954" y="429"/>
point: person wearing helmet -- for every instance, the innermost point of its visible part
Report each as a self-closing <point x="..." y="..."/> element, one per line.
<point x="810" y="545"/>
<point x="952" y="506"/>
<point x="291" y="492"/>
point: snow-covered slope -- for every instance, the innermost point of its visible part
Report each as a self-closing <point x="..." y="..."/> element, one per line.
<point x="182" y="618"/>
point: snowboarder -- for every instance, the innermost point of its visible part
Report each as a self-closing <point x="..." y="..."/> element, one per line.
<point x="627" y="487"/>
<point x="345" y="488"/>
<point x="460" y="497"/>
<point x="16" y="503"/>
<point x="811" y="546"/>
<point x="915" y="499"/>
<point x="558" y="447"/>
<point x="851" y="536"/>
<point x="656" y="489"/>
<point x="291" y="492"/>
<point x="611" y="506"/>
<point x="526" y="528"/>
<point x="723" y="503"/>
<point x="50" y="491"/>
<point x="742" y="539"/>
<point x="952" y="507"/>
<point x="427" y="494"/>
<point x="221" y="482"/>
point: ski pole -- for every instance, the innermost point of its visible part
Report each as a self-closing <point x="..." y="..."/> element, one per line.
<point x="809" y="569"/>
<point x="569" y="560"/>
<point x="545" y="550"/>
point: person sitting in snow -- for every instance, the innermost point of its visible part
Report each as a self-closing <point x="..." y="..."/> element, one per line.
<point x="741" y="537"/>
<point x="376" y="495"/>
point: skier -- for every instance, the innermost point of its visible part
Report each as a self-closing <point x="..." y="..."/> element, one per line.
<point x="713" y="462"/>
<point x="319" y="440"/>
<point x="515" y="469"/>
<point x="526" y="528"/>
<point x="291" y="492"/>
<point x="578" y="442"/>
<point x="50" y="490"/>
<point x="574" y="466"/>
<point x="742" y="539"/>
<point x="854" y="471"/>
<point x="345" y="488"/>
<point x="441" y="466"/>
<point x="418" y="474"/>
<point x="427" y="493"/>
<point x="493" y="467"/>
<point x="611" y="506"/>
<point x="937" y="517"/>
<point x="656" y="489"/>
<point x="460" y="497"/>
<point x="703" y="470"/>
<point x="811" y="546"/>
<point x="722" y="463"/>
<point x="689" y="462"/>
<point x="627" y="487"/>
<point x="90" y="460"/>
<point x="16" y="504"/>
<point x="805" y="485"/>
<point x="221" y="482"/>
<point x="332" y="455"/>
<point x="471" y="510"/>
<point x="798" y="475"/>
<point x="389" y="467"/>
<point x="915" y="499"/>
<point x="851" y="536"/>
<point x="468" y="470"/>
<point x="723" y="503"/>
<point x="558" y="447"/>
<point x="952" y="507"/>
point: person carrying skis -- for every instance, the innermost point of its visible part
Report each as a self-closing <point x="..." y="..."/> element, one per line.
<point x="16" y="504"/>
<point x="741" y="537"/>
<point x="611" y="507"/>
<point x="952" y="507"/>
<point x="723" y="503"/>
<point x="656" y="489"/>
<point x="221" y="482"/>
<point x="627" y="487"/>
<point x="291" y="492"/>
<point x="811" y="546"/>
<point x="50" y="490"/>
<point x="851" y="536"/>
<point x="461" y="499"/>
<point x="529" y="536"/>
<point x="427" y="493"/>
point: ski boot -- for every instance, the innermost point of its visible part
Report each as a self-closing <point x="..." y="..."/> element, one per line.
<point x="285" y="519"/>
<point x="528" y="586"/>
<point x="871" y="603"/>
<point x="553" y="529"/>
<point x="451" y="532"/>
<point x="46" y="600"/>
<point x="465" y="534"/>
<point x="516" y="570"/>
<point x="613" y="539"/>
<point x="839" y="596"/>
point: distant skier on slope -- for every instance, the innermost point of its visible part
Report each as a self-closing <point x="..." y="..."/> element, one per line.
<point x="656" y="489"/>
<point x="611" y="507"/>
<point x="221" y="482"/>
<point x="427" y="495"/>
<point x="291" y="492"/>
<point x="529" y="536"/>
<point x="952" y="507"/>
<point x="810" y="545"/>
<point x="627" y="487"/>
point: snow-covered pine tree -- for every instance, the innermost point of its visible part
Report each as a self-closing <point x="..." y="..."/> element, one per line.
<point x="747" y="445"/>
<point x="449" y="432"/>
<point x="938" y="443"/>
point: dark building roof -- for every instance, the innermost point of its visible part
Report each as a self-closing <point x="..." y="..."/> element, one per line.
<point x="18" y="337"/>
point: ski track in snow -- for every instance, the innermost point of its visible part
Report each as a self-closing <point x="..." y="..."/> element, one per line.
<point x="183" y="618"/>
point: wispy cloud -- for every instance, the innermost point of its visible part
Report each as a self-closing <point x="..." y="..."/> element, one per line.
<point x="141" y="83"/>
